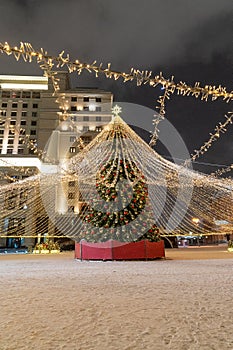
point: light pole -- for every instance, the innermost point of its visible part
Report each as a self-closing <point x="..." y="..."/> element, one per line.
<point x="196" y="221"/>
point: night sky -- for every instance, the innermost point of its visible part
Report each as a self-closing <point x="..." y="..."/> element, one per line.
<point x="191" y="40"/>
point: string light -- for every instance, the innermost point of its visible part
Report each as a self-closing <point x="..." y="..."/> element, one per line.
<point x="212" y="197"/>
<point x="219" y="129"/>
<point x="47" y="63"/>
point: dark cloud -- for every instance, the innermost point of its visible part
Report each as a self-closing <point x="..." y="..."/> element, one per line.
<point x="190" y="39"/>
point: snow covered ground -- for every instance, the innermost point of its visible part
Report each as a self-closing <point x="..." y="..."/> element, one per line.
<point x="56" y="302"/>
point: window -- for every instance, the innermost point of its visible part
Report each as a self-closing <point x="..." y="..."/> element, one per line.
<point x="13" y="122"/>
<point x="34" y="114"/>
<point x="33" y="123"/>
<point x="86" y="108"/>
<point x="9" y="151"/>
<point x="24" y="114"/>
<point x="71" y="195"/>
<point x="14" y="105"/>
<point x="98" y="119"/>
<point x="16" y="94"/>
<point x="73" y="118"/>
<point x="74" y="99"/>
<point x="3" y="113"/>
<point x="72" y="138"/>
<point x="73" y="108"/>
<point x="25" y="105"/>
<point x="98" y="129"/>
<point x="1" y="132"/>
<point x="26" y="94"/>
<point x="20" y="150"/>
<point x="13" y="114"/>
<point x="71" y="183"/>
<point x="6" y="94"/>
<point x="10" y="141"/>
<point x="23" y="122"/>
<point x="98" y="99"/>
<point x="11" y="132"/>
<point x="85" y="99"/>
<point x="35" y="94"/>
<point x="33" y="132"/>
<point x="35" y="105"/>
<point x="4" y="105"/>
<point x="2" y="122"/>
<point x="72" y="149"/>
<point x="20" y="141"/>
<point x="98" y="109"/>
<point x="86" y="118"/>
<point x="86" y="128"/>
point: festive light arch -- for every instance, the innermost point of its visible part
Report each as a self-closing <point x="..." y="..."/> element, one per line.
<point x="206" y="189"/>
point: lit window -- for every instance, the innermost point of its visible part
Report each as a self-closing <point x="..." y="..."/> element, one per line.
<point x="92" y="108"/>
<point x="98" y="128"/>
<point x="16" y="94"/>
<point x="72" y="149"/>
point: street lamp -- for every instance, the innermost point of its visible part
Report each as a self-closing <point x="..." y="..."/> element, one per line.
<point x="196" y="221"/>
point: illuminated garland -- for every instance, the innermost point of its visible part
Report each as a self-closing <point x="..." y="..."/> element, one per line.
<point x="47" y="63"/>
<point x="219" y="129"/>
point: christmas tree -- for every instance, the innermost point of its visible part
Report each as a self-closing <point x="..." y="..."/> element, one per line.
<point x="126" y="212"/>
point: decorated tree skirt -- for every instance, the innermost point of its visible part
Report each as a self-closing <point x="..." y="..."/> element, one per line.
<point x="115" y="250"/>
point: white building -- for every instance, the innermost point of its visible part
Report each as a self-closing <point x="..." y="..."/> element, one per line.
<point x="33" y="118"/>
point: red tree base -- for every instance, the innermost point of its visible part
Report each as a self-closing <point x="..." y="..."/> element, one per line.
<point x="115" y="250"/>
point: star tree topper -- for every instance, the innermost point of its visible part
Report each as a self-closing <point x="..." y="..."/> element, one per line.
<point x="116" y="110"/>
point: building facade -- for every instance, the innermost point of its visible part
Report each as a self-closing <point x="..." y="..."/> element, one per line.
<point x="38" y="131"/>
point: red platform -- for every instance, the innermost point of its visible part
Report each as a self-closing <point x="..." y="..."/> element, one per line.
<point x="115" y="250"/>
